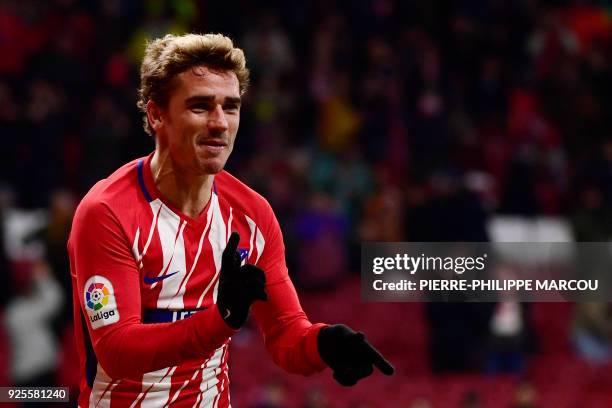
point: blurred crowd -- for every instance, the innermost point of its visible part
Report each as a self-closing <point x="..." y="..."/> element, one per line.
<point x="369" y="120"/>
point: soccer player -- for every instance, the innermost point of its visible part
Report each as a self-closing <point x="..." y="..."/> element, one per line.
<point x="169" y="253"/>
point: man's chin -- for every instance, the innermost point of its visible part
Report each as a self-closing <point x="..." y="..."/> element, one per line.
<point x="212" y="167"/>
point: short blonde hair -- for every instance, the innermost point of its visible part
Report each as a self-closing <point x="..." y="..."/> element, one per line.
<point x="168" y="56"/>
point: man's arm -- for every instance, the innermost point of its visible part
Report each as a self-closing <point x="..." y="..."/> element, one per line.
<point x="289" y="336"/>
<point x="297" y="345"/>
<point x="124" y="346"/>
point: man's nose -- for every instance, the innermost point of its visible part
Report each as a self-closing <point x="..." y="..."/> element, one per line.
<point x="217" y="119"/>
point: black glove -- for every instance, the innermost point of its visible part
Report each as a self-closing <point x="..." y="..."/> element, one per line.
<point x="239" y="286"/>
<point x="349" y="354"/>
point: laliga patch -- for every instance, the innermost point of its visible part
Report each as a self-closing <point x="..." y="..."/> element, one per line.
<point x="100" y="302"/>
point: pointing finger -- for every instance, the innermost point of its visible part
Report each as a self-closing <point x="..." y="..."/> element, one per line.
<point x="232" y="245"/>
<point x="377" y="359"/>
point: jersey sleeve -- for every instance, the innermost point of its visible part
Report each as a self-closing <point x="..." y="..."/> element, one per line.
<point x="289" y="336"/>
<point x="106" y="281"/>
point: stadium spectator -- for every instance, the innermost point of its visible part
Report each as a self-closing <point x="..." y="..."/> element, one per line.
<point x="29" y="318"/>
<point x="592" y="332"/>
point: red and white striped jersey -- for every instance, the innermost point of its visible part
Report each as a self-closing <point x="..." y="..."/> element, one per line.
<point x="145" y="280"/>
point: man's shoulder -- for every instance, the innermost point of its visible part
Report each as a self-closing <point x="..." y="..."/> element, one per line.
<point x="118" y="191"/>
<point x="240" y="196"/>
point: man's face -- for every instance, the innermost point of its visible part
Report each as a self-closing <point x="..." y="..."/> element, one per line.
<point x="201" y="120"/>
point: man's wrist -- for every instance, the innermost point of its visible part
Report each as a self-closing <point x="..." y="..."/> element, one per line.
<point x="211" y="328"/>
<point x="229" y="318"/>
<point x="311" y="347"/>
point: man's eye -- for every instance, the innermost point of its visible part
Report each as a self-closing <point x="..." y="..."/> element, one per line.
<point x="230" y="108"/>
<point x="199" y="108"/>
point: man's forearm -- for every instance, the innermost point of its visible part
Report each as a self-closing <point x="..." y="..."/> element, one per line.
<point x="135" y="348"/>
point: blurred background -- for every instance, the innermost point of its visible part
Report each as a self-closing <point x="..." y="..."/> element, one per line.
<point x="369" y="120"/>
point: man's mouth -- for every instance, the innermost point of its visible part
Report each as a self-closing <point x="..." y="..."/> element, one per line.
<point x="212" y="145"/>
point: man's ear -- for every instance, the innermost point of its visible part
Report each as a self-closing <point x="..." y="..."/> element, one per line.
<point x="154" y="115"/>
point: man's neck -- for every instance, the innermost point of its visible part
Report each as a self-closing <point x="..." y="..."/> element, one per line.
<point x="186" y="191"/>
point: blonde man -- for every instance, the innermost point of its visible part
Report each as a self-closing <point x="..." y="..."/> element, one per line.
<point x="170" y="252"/>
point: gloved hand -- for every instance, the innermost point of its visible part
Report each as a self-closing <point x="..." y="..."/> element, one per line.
<point x="239" y="286"/>
<point x="349" y="354"/>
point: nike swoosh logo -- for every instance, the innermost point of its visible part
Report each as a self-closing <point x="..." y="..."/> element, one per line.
<point x="149" y="280"/>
